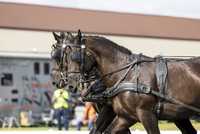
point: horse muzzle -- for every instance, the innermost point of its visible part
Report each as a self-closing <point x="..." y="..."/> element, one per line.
<point x="73" y="82"/>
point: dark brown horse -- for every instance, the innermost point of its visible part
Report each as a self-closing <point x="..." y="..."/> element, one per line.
<point x="182" y="83"/>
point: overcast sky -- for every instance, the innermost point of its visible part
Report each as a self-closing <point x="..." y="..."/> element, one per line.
<point x="178" y="8"/>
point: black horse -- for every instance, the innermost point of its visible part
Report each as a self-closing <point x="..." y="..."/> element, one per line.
<point x="133" y="80"/>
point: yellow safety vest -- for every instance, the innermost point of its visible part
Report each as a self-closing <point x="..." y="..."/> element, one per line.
<point x="60" y="96"/>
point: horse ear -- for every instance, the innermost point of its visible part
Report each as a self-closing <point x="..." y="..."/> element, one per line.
<point x="79" y="33"/>
<point x="57" y="37"/>
<point x="62" y="35"/>
<point x="70" y="36"/>
<point x="79" y="36"/>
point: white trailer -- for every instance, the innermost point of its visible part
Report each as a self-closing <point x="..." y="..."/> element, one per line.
<point x="25" y="84"/>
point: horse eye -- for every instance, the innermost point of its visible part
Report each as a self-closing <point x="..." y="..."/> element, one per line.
<point x="68" y="47"/>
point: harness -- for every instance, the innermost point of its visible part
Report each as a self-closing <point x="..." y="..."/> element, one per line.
<point x="121" y="85"/>
<point x="137" y="87"/>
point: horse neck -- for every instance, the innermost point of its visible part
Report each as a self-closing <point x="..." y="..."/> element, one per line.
<point x="108" y="59"/>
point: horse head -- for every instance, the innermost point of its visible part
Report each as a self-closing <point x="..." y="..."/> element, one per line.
<point x="58" y="56"/>
<point x="72" y="60"/>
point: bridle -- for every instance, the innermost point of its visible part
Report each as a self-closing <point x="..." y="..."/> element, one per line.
<point x="66" y="52"/>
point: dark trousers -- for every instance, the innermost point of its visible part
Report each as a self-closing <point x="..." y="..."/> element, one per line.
<point x="62" y="116"/>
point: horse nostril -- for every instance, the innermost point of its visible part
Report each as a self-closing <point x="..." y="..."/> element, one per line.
<point x="71" y="87"/>
<point x="53" y="83"/>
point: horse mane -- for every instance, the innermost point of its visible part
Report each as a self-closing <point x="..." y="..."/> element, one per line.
<point x="105" y="42"/>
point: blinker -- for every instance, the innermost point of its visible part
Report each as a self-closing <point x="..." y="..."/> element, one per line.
<point x="76" y="56"/>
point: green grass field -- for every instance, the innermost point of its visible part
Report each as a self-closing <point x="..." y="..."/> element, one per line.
<point x="162" y="125"/>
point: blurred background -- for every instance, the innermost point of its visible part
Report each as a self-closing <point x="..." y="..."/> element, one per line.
<point x="167" y="28"/>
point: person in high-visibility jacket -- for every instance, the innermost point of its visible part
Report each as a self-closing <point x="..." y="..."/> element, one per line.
<point x="60" y="104"/>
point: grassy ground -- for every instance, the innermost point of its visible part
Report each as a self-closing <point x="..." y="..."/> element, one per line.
<point x="162" y="125"/>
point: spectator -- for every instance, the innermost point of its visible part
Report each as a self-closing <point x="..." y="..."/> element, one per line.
<point x="61" y="106"/>
<point x="89" y="116"/>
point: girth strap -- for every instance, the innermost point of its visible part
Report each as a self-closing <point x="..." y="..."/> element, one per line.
<point x="161" y="76"/>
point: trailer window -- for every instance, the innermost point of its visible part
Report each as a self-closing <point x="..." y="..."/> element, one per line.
<point x="46" y="68"/>
<point x="7" y="79"/>
<point x="14" y="100"/>
<point x="37" y="68"/>
<point x="14" y="91"/>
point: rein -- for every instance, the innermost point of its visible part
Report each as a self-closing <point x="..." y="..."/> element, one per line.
<point x="126" y="66"/>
